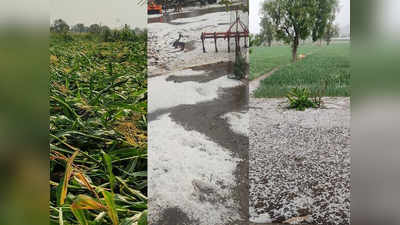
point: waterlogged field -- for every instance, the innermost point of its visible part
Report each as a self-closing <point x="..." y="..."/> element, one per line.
<point x="98" y="138"/>
<point x="325" y="72"/>
<point x="265" y="59"/>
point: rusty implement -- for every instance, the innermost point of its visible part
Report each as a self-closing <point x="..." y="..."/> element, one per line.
<point x="236" y="31"/>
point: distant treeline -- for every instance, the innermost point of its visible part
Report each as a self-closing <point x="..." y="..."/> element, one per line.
<point x="126" y="33"/>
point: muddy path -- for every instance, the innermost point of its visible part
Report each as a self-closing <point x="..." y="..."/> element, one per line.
<point x="208" y="118"/>
<point x="255" y="84"/>
<point x="196" y="114"/>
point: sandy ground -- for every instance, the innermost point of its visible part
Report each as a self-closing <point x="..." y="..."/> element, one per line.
<point x="299" y="162"/>
<point x="198" y="144"/>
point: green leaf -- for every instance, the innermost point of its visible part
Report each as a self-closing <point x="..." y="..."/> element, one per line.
<point x="112" y="209"/>
<point x="143" y="218"/>
<point x="108" y="164"/>
<point x="80" y="216"/>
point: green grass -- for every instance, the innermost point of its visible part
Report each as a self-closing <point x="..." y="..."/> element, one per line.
<point x="327" y="69"/>
<point x="98" y="130"/>
<point x="265" y="59"/>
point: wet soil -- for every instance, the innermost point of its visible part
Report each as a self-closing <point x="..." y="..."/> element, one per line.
<point x="175" y="216"/>
<point x="211" y="72"/>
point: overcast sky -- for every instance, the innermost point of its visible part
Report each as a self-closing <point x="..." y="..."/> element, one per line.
<point x="342" y="18"/>
<point x="113" y="13"/>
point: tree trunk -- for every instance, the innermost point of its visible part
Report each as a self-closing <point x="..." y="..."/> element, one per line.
<point x="294" y="49"/>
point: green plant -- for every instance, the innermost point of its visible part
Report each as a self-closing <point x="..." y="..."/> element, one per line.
<point x="98" y="130"/>
<point x="240" y="67"/>
<point x="327" y="68"/>
<point x="301" y="99"/>
<point x="264" y="59"/>
<point x="294" y="21"/>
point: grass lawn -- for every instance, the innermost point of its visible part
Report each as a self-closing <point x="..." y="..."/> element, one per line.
<point x="327" y="69"/>
<point x="265" y="59"/>
<point x="98" y="138"/>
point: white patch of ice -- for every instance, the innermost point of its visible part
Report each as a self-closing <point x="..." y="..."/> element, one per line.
<point x="180" y="163"/>
<point x="165" y="94"/>
<point x="262" y="218"/>
<point x="238" y="121"/>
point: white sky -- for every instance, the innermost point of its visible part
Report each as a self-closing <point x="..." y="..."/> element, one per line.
<point x="343" y="17"/>
<point x="113" y="13"/>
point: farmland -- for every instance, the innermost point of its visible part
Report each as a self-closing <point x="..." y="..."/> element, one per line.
<point x="265" y="59"/>
<point x="98" y="130"/>
<point x="325" y="72"/>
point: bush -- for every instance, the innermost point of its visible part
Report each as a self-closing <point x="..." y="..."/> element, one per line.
<point x="126" y="34"/>
<point x="300" y="99"/>
<point x="240" y="67"/>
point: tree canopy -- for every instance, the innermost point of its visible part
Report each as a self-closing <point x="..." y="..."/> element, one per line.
<point x="325" y="14"/>
<point x="295" y="20"/>
<point x="267" y="30"/>
<point x="59" y="26"/>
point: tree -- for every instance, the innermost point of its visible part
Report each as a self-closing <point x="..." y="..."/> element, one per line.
<point x="94" y="28"/>
<point x="267" y="30"/>
<point x="244" y="6"/>
<point x="255" y="40"/>
<point x="293" y="20"/>
<point x="325" y="13"/>
<point x="59" y="26"/>
<point x="332" y="30"/>
<point x="80" y="27"/>
<point x="104" y="28"/>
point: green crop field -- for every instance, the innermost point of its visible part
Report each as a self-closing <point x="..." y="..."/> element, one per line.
<point x="265" y="59"/>
<point x="98" y="131"/>
<point x="326" y="71"/>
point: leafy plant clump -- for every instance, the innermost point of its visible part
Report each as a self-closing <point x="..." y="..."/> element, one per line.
<point x="98" y="131"/>
<point x="301" y="99"/>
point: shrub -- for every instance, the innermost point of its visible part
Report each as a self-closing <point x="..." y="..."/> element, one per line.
<point x="301" y="99"/>
<point x="240" y="67"/>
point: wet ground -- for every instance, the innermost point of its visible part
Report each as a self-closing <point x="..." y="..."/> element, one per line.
<point x="198" y="125"/>
<point x="211" y="72"/>
<point x="208" y="118"/>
